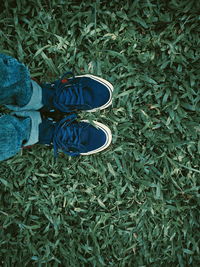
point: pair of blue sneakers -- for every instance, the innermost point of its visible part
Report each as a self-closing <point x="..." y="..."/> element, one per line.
<point x="68" y="96"/>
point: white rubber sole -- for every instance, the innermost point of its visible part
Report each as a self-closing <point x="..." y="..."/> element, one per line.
<point x="105" y="83"/>
<point x="107" y="131"/>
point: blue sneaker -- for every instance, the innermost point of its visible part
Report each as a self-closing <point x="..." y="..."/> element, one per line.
<point x="74" y="138"/>
<point x="85" y="92"/>
<point x="68" y="136"/>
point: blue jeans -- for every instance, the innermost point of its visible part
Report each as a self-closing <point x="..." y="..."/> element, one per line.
<point x="18" y="92"/>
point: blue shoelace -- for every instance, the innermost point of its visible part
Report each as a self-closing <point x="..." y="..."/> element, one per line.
<point x="71" y="90"/>
<point x="67" y="137"/>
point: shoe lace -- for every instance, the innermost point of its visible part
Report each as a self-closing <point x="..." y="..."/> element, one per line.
<point x="69" y="93"/>
<point x="67" y="137"/>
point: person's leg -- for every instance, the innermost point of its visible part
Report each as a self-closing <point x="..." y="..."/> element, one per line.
<point x="15" y="83"/>
<point x="18" y="130"/>
<point x="17" y="90"/>
<point x="13" y="133"/>
<point x="67" y="135"/>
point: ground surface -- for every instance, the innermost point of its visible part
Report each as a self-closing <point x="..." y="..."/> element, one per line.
<point x="136" y="204"/>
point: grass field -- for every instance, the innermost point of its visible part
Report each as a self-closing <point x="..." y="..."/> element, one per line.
<point x="136" y="204"/>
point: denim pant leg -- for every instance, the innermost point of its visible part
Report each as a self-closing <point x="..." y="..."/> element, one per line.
<point x="14" y="132"/>
<point x="17" y="91"/>
<point x="15" y="82"/>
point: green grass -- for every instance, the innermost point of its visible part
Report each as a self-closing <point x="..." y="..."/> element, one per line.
<point x="136" y="204"/>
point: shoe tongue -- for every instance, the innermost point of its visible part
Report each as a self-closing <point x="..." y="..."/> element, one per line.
<point x="78" y="95"/>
